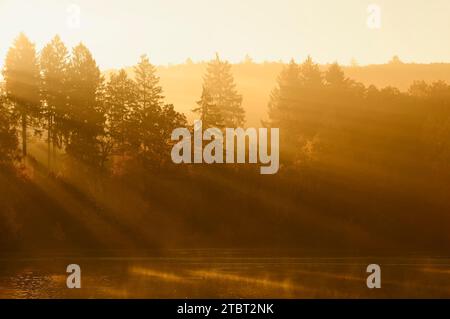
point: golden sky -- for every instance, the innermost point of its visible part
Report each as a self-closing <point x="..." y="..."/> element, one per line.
<point x="169" y="31"/>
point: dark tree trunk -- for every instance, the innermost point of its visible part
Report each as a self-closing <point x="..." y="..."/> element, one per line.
<point x="24" y="134"/>
<point x="49" y="137"/>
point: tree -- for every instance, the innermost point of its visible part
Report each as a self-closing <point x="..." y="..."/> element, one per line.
<point x="296" y="106"/>
<point x="299" y="88"/>
<point x="283" y="105"/>
<point x="21" y="74"/>
<point x="153" y="120"/>
<point x="54" y="61"/>
<point x="149" y="106"/>
<point x="419" y="89"/>
<point x="120" y="104"/>
<point x="210" y="114"/>
<point x="149" y="92"/>
<point x="219" y="90"/>
<point x="169" y="120"/>
<point x="395" y="60"/>
<point x="86" y="115"/>
<point x="335" y="77"/>
<point x="8" y="134"/>
<point x="310" y="75"/>
<point x="284" y="97"/>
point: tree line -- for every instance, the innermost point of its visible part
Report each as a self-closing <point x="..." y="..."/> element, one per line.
<point x="97" y="121"/>
<point x="328" y="119"/>
<point x="360" y="166"/>
<point x="94" y="119"/>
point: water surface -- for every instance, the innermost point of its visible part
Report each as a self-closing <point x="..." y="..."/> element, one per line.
<point x="223" y="275"/>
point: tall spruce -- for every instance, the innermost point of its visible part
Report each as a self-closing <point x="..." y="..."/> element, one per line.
<point x="209" y="112"/>
<point x="54" y="59"/>
<point x="22" y="81"/>
<point x="284" y="98"/>
<point x="153" y="119"/>
<point x="335" y="76"/>
<point x="296" y="105"/>
<point x="120" y="105"/>
<point x="86" y="116"/>
<point x="8" y="134"/>
<point x="220" y="104"/>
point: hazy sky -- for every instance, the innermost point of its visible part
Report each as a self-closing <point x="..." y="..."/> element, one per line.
<point x="169" y="31"/>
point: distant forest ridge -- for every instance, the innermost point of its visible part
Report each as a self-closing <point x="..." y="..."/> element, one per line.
<point x="182" y="83"/>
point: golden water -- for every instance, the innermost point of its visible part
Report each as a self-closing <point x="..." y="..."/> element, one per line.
<point x="189" y="275"/>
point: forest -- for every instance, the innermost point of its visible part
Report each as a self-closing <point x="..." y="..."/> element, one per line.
<point x="85" y="161"/>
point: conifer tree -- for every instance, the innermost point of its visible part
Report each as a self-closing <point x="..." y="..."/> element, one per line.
<point x="149" y="92"/>
<point x="120" y="105"/>
<point x="296" y="105"/>
<point x="209" y="112"/>
<point x="335" y="77"/>
<point x="85" y="107"/>
<point x="22" y="78"/>
<point x="153" y="119"/>
<point x="54" y="60"/>
<point x="219" y="90"/>
<point x="284" y="98"/>
<point x="8" y="134"/>
<point x="150" y="100"/>
<point x="310" y="75"/>
<point x="169" y="120"/>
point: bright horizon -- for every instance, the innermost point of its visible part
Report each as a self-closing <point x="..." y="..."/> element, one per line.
<point x="170" y="31"/>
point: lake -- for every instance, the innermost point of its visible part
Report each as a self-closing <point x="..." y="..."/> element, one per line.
<point x="223" y="274"/>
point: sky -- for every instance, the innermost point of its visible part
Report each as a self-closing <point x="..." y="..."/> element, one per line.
<point x="170" y="31"/>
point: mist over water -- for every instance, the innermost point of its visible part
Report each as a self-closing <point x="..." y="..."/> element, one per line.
<point x="224" y="274"/>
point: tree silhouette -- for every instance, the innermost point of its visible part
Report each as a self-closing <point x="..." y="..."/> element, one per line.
<point x="21" y="74"/>
<point x="120" y="104"/>
<point x="359" y="158"/>
<point x="54" y="60"/>
<point x="219" y="90"/>
<point x="153" y="120"/>
<point x="310" y="75"/>
<point x="149" y="92"/>
<point x="210" y="113"/>
<point x="335" y="77"/>
<point x="86" y="116"/>
<point x="283" y="108"/>
<point x="284" y="96"/>
<point x="8" y="134"/>
<point x="150" y="101"/>
<point x="395" y="60"/>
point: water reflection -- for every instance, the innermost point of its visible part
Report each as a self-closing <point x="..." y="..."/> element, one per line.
<point x="224" y="276"/>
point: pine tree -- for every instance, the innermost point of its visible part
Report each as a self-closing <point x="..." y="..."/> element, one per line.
<point x="153" y="119"/>
<point x="54" y="60"/>
<point x="8" y="134"/>
<point x="150" y="98"/>
<point x="210" y="114"/>
<point x="335" y="77"/>
<point x="120" y="105"/>
<point x="86" y="115"/>
<point x="285" y="97"/>
<point x="150" y="101"/>
<point x="219" y="90"/>
<point x="296" y="105"/>
<point x="169" y="120"/>
<point x="21" y="74"/>
<point x="310" y="75"/>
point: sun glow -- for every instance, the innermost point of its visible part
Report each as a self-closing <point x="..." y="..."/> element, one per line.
<point x="118" y="32"/>
<point x="40" y="20"/>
